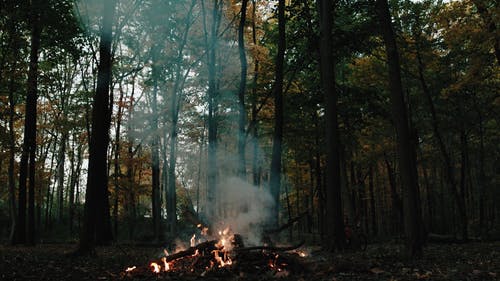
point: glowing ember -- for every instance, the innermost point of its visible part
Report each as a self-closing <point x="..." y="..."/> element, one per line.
<point x="130" y="268"/>
<point x="193" y="240"/>
<point x="166" y="265"/>
<point x="156" y="267"/>
<point x="302" y="254"/>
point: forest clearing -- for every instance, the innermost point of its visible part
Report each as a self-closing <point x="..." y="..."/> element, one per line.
<point x="249" y="140"/>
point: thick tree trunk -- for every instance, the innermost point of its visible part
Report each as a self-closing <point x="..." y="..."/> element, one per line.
<point x="412" y="216"/>
<point x="27" y="167"/>
<point x="275" y="176"/>
<point x="96" y="224"/>
<point x="334" y="213"/>
<point x="241" y="92"/>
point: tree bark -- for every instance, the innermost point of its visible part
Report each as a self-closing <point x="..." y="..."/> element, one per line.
<point x="256" y="170"/>
<point x="334" y="213"/>
<point x="61" y="159"/>
<point x="27" y="166"/>
<point x="275" y="176"/>
<point x="116" y="164"/>
<point x="412" y="216"/>
<point x="241" y="92"/>
<point x="12" y="155"/>
<point x="372" y="201"/>
<point x="211" y="45"/>
<point x="96" y="223"/>
<point x="155" y="151"/>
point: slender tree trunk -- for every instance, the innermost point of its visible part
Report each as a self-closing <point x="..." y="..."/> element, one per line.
<point x="12" y="155"/>
<point x="96" y="223"/>
<point x="211" y="45"/>
<point x="117" y="170"/>
<point x="413" y="227"/>
<point x="61" y="159"/>
<point x="241" y="92"/>
<point x="255" y="130"/>
<point x="448" y="165"/>
<point x="275" y="176"/>
<point x="482" y="176"/>
<point x="174" y="109"/>
<point x="75" y="175"/>
<point x="372" y="202"/>
<point x="155" y="152"/>
<point x="334" y="212"/>
<point x="50" y="193"/>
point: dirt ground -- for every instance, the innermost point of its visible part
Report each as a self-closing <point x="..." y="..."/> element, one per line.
<point x="384" y="261"/>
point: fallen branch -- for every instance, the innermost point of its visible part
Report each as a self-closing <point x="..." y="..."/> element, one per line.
<point x="288" y="224"/>
<point x="205" y="246"/>
<point x="269" y="248"/>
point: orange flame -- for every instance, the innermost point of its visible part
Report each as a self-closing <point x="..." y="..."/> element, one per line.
<point x="193" y="240"/>
<point x="156" y="267"/>
<point x="166" y="265"/>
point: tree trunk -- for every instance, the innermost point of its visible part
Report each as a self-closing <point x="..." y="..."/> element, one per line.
<point x="275" y="176"/>
<point x="61" y="158"/>
<point x="174" y="109"/>
<point x="334" y="213"/>
<point x="241" y="92"/>
<point x="96" y="223"/>
<point x="256" y="171"/>
<point x="27" y="167"/>
<point x="211" y="45"/>
<point x="412" y="216"/>
<point x="155" y="152"/>
<point x="12" y="156"/>
<point x="75" y="175"/>
<point x="372" y="201"/>
<point x="448" y="165"/>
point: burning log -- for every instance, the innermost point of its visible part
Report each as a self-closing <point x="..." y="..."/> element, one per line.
<point x="207" y="246"/>
<point x="228" y="255"/>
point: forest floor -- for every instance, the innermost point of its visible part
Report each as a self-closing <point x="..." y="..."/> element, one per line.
<point x="470" y="261"/>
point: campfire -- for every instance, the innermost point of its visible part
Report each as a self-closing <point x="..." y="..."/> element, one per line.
<point x="227" y="254"/>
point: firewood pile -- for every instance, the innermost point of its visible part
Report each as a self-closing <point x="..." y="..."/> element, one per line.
<point x="221" y="259"/>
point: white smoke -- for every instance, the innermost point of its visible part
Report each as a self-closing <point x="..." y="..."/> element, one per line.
<point x="244" y="208"/>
